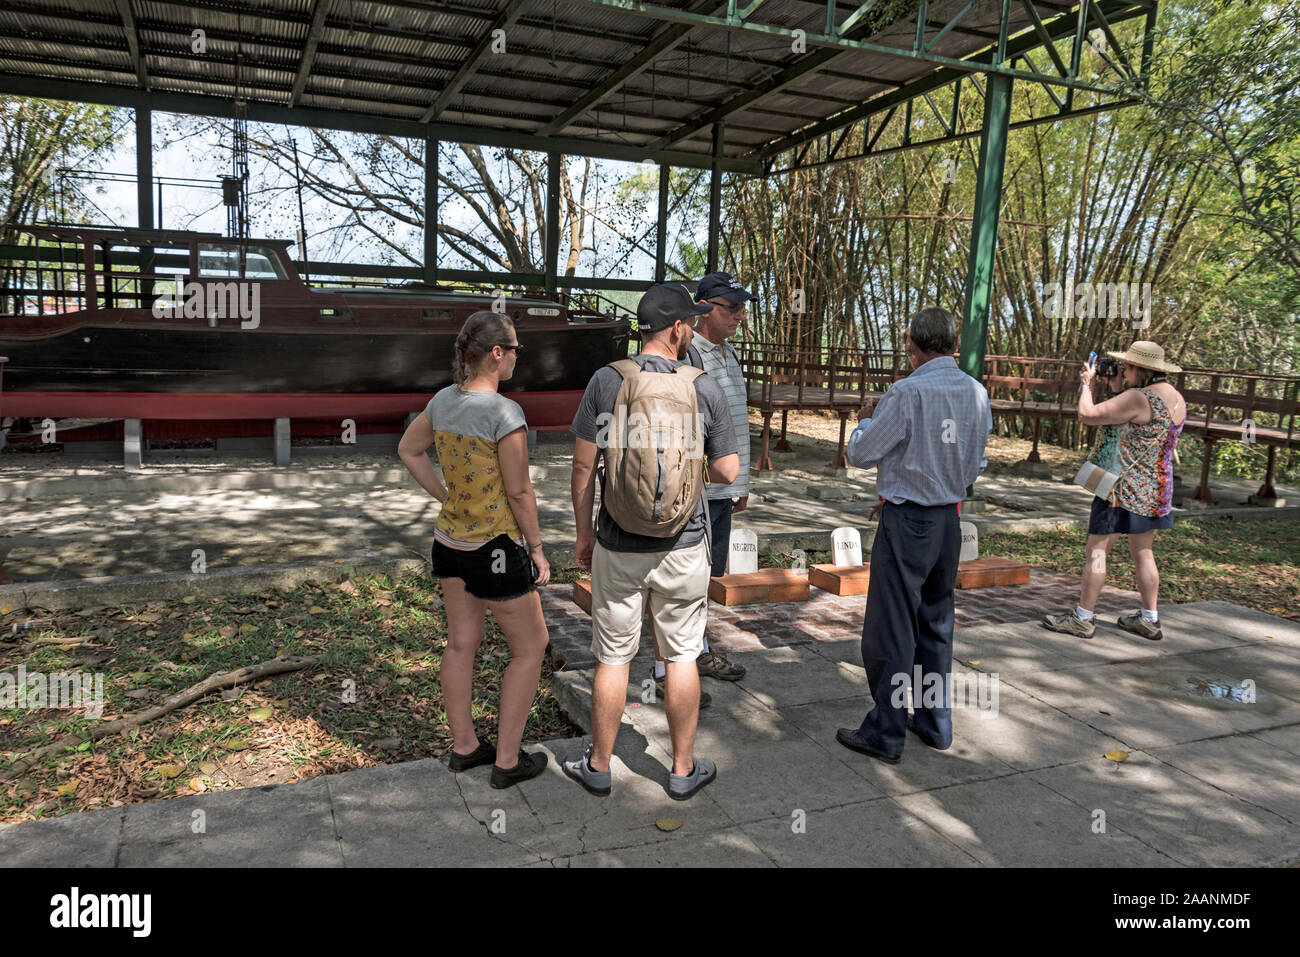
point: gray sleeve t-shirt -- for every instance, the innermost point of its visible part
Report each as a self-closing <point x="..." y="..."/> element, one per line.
<point x="719" y="440"/>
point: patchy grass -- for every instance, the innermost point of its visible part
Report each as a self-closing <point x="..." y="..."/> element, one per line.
<point x="380" y="641"/>
<point x="1199" y="560"/>
<point x="1254" y="564"/>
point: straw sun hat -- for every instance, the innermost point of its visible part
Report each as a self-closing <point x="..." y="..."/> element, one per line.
<point x="1146" y="355"/>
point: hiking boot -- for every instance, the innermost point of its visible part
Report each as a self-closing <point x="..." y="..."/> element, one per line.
<point x="1069" y="624"/>
<point x="1149" y="630"/>
<point x="684" y="786"/>
<point x="529" y="766"/>
<point x="577" y="766"/>
<point x="713" y="665"/>
<point x="705" y="698"/>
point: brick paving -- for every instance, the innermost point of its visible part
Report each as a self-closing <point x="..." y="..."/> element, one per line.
<point x="827" y="617"/>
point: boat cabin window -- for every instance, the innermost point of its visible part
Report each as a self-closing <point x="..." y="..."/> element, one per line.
<point x="222" y="262"/>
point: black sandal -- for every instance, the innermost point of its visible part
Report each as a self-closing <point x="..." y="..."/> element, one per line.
<point x="485" y="753"/>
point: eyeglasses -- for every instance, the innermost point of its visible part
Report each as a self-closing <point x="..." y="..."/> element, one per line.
<point x="731" y="307"/>
<point x="517" y="347"/>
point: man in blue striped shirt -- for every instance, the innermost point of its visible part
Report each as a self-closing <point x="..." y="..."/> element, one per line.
<point x="927" y="440"/>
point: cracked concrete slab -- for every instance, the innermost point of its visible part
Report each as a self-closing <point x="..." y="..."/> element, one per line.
<point x="277" y="826"/>
<point x="1017" y="822"/>
<point x="1194" y="823"/>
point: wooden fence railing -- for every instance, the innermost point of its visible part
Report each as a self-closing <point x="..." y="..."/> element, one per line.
<point x="1221" y="404"/>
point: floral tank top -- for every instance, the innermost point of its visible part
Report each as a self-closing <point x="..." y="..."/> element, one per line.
<point x="466" y="429"/>
<point x="1146" y="455"/>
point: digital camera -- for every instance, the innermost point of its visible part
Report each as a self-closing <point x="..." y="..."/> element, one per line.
<point x="1107" y="367"/>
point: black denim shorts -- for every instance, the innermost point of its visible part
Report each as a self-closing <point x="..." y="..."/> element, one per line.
<point x="496" y="571"/>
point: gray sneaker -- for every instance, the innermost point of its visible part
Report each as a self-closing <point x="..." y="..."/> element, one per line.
<point x="1069" y="624"/>
<point x="1149" y="630"/>
<point x="598" y="783"/>
<point x="683" y="786"/>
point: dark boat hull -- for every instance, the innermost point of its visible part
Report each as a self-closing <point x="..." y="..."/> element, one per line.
<point x="228" y="373"/>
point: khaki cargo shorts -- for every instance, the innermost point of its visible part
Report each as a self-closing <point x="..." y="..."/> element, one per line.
<point x="677" y="583"/>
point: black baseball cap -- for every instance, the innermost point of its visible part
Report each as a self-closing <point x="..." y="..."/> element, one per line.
<point x="724" y="285"/>
<point x="664" y="304"/>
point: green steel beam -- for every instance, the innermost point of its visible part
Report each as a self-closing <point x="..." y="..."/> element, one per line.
<point x="1061" y="69"/>
<point x="133" y="42"/>
<point x="503" y="22"/>
<point x="805" y="65"/>
<point x="430" y="265"/>
<point x="934" y="40"/>
<point x="970" y="65"/>
<point x="661" y="225"/>
<point x="981" y="61"/>
<point x="144" y="185"/>
<point x="663" y="43"/>
<point x="314" y="33"/>
<point x="715" y="199"/>
<point x="552" y="240"/>
<point x="984" y="228"/>
<point x="870" y="151"/>
<point x="200" y="105"/>
<point x="1056" y="28"/>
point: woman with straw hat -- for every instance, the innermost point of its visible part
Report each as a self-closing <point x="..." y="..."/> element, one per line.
<point x="1152" y="412"/>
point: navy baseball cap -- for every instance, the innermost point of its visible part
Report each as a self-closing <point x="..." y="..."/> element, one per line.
<point x="722" y="284"/>
<point x="664" y="304"/>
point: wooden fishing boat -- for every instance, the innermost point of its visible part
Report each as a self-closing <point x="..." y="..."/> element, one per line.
<point x="211" y="329"/>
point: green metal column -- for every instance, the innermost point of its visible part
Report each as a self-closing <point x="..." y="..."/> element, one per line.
<point x="431" y="210"/>
<point x="661" y="230"/>
<point x="715" y="201"/>
<point x="984" y="230"/>
<point x="552" y="239"/>
<point x="144" y="194"/>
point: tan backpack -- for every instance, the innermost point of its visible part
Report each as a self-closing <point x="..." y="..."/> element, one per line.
<point x="654" y="469"/>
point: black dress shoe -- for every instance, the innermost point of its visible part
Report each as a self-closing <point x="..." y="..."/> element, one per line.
<point x="850" y="738"/>
<point x="911" y="726"/>
<point x="485" y="753"/>
<point x="529" y="766"/>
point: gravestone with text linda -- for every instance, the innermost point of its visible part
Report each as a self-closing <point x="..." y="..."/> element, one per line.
<point x="846" y="575"/>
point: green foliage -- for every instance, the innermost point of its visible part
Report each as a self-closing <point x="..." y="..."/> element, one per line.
<point x="36" y="137"/>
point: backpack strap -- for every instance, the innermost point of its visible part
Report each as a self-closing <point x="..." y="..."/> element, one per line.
<point x="691" y="372"/>
<point x="693" y="356"/>
<point x="627" y="368"/>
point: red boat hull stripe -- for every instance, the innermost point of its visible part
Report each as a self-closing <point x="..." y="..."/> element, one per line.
<point x="544" y="410"/>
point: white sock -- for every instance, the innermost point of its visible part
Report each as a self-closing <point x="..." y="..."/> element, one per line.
<point x="1082" y="613"/>
<point x="660" y="670"/>
<point x="1150" y="617"/>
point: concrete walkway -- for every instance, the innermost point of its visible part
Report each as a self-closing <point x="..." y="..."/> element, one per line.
<point x="1209" y="778"/>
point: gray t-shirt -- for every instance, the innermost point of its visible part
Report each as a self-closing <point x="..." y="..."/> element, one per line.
<point x="719" y="440"/>
<point x="466" y="429"/>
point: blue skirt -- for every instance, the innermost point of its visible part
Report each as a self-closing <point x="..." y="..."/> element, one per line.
<point x="1107" y="519"/>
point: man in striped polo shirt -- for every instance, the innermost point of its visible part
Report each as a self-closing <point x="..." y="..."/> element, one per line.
<point x="711" y="352"/>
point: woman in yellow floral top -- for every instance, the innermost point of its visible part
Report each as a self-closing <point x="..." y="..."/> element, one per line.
<point x="1152" y="413"/>
<point x="487" y="547"/>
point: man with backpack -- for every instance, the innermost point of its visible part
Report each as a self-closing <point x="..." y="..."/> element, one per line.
<point x="661" y="429"/>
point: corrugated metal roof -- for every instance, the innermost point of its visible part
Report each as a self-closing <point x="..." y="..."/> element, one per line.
<point x="395" y="59"/>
